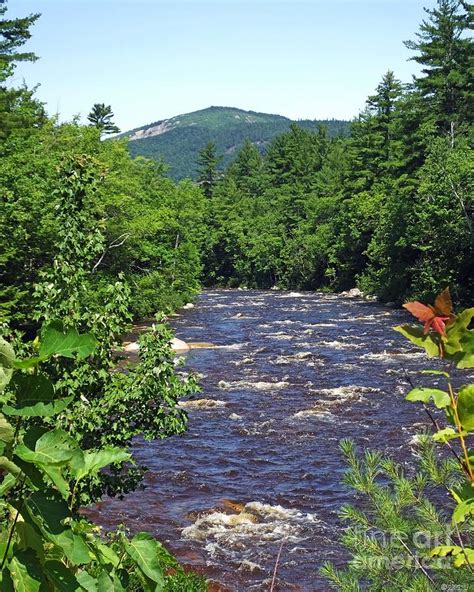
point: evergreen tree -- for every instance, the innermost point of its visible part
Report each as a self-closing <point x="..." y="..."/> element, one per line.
<point x="208" y="175"/>
<point x="17" y="107"/>
<point x="445" y="53"/>
<point x="14" y="33"/>
<point x="101" y="117"/>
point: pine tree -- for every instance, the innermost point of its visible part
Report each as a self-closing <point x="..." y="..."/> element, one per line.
<point x="208" y="175"/>
<point x="17" y="107"/>
<point x="445" y="52"/>
<point x="13" y="34"/>
<point x="101" y="117"/>
<point x="247" y="168"/>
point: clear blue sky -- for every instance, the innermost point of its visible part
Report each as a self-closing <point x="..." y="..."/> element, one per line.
<point x="152" y="59"/>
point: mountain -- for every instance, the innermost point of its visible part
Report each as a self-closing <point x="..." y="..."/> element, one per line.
<point x="177" y="141"/>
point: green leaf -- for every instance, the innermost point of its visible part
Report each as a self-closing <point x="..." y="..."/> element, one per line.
<point x="92" y="462"/>
<point x="7" y="465"/>
<point x="435" y="373"/>
<point x="144" y="549"/>
<point x="105" y="583"/>
<point x="7" y="357"/>
<point x="87" y="581"/>
<point x="34" y="397"/>
<point x="6" y="581"/>
<point x="108" y="554"/>
<point x="48" y="510"/>
<point x="29" y="536"/>
<point x="56" y="476"/>
<point x="61" y="577"/>
<point x="466" y="407"/>
<point x="456" y="332"/>
<point x="55" y="447"/>
<point x="25" y="571"/>
<point x="55" y="340"/>
<point x="7" y="483"/>
<point x="440" y="398"/>
<point x="447" y="434"/>
<point x="466" y="359"/>
<point x="7" y="431"/>
<point x="416" y="336"/>
<point x="73" y="546"/>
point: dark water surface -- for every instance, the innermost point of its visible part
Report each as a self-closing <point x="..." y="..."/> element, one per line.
<point x="291" y="375"/>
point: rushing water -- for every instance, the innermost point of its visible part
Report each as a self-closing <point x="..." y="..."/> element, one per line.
<point x="291" y="374"/>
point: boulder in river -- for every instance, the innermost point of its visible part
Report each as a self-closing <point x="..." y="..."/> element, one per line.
<point x="178" y="345"/>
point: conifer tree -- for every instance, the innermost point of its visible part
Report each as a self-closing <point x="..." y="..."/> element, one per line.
<point x="445" y="53"/>
<point x="101" y="117"/>
<point x="208" y="162"/>
<point x="17" y="107"/>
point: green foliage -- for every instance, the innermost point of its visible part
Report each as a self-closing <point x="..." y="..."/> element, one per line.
<point x="400" y="540"/>
<point x="388" y="209"/>
<point x="46" y="544"/>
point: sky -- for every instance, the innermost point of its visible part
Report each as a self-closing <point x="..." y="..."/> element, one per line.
<point x="154" y="59"/>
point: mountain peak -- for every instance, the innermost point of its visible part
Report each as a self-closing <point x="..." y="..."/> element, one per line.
<point x="177" y="140"/>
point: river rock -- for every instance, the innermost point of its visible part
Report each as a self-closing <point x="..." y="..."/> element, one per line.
<point x="178" y="345"/>
<point x="188" y="306"/>
<point x="131" y="347"/>
<point x="353" y="293"/>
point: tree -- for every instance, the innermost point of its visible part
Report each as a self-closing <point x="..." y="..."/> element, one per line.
<point x="444" y="52"/>
<point x="208" y="175"/>
<point x="13" y="34"/>
<point x="101" y="117"/>
<point x="17" y="107"/>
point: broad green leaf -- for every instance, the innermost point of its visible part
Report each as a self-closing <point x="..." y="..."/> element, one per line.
<point x="92" y="462"/>
<point x="7" y="431"/>
<point x="456" y="331"/>
<point x="466" y="359"/>
<point x="88" y="582"/>
<point x="143" y="549"/>
<point x="7" y="357"/>
<point x="27" y="363"/>
<point x="6" y="581"/>
<point x="25" y="571"/>
<point x="55" y="340"/>
<point x="105" y="583"/>
<point x="48" y="509"/>
<point x="55" y="447"/>
<point x="466" y="407"/>
<point x="447" y="434"/>
<point x="416" y="336"/>
<point x="56" y="476"/>
<point x="73" y="546"/>
<point x="29" y="536"/>
<point x="108" y="554"/>
<point x="462" y="511"/>
<point x="440" y="398"/>
<point x="34" y="397"/>
<point x="61" y="577"/>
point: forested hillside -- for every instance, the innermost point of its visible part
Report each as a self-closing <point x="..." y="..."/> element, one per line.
<point x="176" y="141"/>
<point x="389" y="209"/>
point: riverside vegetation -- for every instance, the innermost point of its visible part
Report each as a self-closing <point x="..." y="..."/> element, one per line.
<point x="92" y="238"/>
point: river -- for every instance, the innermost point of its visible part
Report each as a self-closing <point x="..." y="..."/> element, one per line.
<point x="291" y="374"/>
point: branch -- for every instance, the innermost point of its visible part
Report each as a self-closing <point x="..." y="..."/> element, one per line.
<point x="118" y="242"/>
